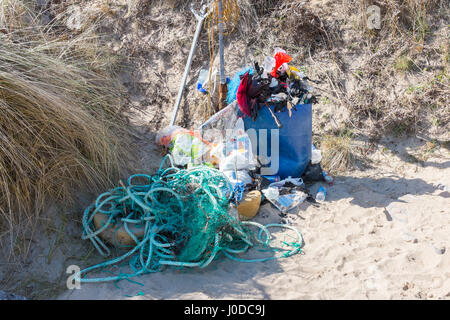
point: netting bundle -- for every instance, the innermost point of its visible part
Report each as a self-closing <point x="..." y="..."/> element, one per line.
<point x="178" y="217"/>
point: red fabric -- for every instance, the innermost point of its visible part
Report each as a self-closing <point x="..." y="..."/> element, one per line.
<point x="241" y="95"/>
<point x="280" y="58"/>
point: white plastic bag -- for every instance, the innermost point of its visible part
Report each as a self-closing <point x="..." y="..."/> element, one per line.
<point x="236" y="153"/>
<point x="186" y="146"/>
<point x="316" y="155"/>
<point x="294" y="181"/>
<point x="238" y="176"/>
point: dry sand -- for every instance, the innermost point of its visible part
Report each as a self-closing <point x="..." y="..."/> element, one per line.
<point x="383" y="233"/>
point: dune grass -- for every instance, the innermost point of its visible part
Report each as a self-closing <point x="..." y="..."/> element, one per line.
<point x="338" y="152"/>
<point x="60" y="122"/>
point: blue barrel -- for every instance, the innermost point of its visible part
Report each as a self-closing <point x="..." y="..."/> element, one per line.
<point x="294" y="138"/>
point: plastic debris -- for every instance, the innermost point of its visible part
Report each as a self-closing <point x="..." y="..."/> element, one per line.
<point x="321" y="194"/>
<point x="238" y="176"/>
<point x="249" y="205"/>
<point x="286" y="194"/>
<point x="268" y="64"/>
<point x="186" y="146"/>
<point x="410" y="237"/>
<point x="281" y="58"/>
<point x="236" y="152"/>
<point x="439" y="249"/>
<point x="316" y="155"/>
<point x="273" y="178"/>
<point x="202" y="80"/>
<point x="234" y="83"/>
<point x="280" y="85"/>
<point x="216" y="127"/>
<point x="328" y="179"/>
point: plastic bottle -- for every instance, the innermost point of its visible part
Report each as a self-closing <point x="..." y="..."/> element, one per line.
<point x="202" y="78"/>
<point x="273" y="178"/>
<point x="321" y="193"/>
<point x="268" y="65"/>
<point x="327" y="177"/>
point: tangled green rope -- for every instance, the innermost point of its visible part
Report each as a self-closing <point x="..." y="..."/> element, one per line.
<point x="186" y="221"/>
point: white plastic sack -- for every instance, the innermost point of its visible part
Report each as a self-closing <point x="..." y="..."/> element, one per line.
<point x="238" y="176"/>
<point x="316" y="155"/>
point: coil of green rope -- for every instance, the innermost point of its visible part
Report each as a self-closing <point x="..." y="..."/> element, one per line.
<point x="186" y="220"/>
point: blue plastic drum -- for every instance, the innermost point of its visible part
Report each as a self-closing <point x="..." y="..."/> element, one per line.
<point x="294" y="139"/>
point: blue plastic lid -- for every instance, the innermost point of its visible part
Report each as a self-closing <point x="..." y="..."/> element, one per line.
<point x="200" y="88"/>
<point x="322" y="189"/>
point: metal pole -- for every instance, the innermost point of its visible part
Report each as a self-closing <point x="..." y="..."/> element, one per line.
<point x="223" y="85"/>
<point x="200" y="18"/>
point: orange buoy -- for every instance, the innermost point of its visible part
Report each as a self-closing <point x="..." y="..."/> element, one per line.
<point x="116" y="234"/>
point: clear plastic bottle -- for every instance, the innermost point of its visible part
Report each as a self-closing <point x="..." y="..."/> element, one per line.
<point x="202" y="79"/>
<point x="268" y="65"/>
<point x="327" y="177"/>
<point x="321" y="193"/>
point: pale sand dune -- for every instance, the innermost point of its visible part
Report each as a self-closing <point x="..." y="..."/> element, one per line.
<point x="355" y="248"/>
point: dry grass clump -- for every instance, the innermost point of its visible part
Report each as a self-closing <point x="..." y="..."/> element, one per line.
<point x="337" y="152"/>
<point x="300" y="26"/>
<point x="403" y="63"/>
<point x="289" y="24"/>
<point x="425" y="106"/>
<point x="264" y="7"/>
<point x="60" y="123"/>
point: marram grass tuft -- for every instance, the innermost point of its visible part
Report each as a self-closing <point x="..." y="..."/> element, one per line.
<point x="59" y="126"/>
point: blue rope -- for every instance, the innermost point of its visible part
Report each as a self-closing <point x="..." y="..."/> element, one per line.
<point x="238" y="192"/>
